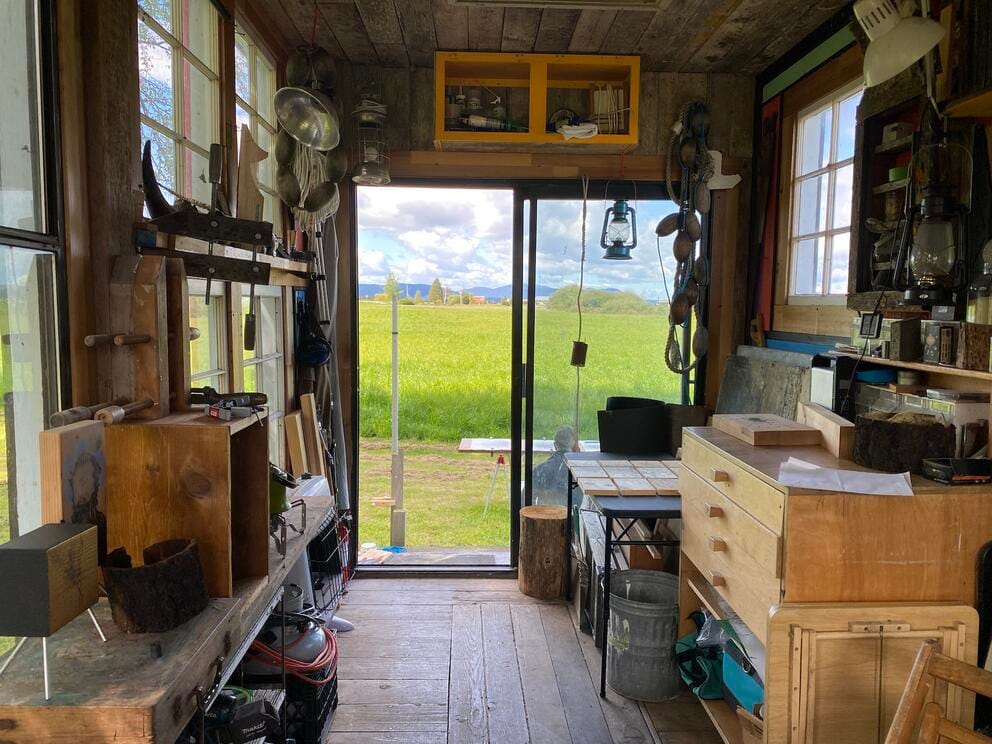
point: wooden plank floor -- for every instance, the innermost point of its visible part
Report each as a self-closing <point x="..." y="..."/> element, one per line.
<point x="471" y="661"/>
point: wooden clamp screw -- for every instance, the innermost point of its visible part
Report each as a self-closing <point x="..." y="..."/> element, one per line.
<point x="118" y="339"/>
<point x="116" y="414"/>
<point x="81" y="413"/>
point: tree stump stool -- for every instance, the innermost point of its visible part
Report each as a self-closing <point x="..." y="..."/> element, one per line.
<point x="541" y="571"/>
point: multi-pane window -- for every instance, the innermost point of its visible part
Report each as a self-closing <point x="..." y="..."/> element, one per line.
<point x="254" y="87"/>
<point x="264" y="366"/>
<point x="30" y="248"/>
<point x="208" y="352"/>
<point x="179" y="84"/>
<point x="822" y="196"/>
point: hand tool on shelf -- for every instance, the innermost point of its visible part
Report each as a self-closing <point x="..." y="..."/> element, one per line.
<point x="116" y="414"/>
<point x="81" y="413"/>
<point x="249" y="334"/>
<point x="209" y="396"/>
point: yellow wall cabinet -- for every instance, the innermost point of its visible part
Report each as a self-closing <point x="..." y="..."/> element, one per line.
<point x="512" y="97"/>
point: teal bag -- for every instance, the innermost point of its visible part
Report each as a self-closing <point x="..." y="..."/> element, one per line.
<point x="700" y="668"/>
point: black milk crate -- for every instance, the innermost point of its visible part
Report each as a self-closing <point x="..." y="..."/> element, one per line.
<point x="308" y="707"/>
<point x="328" y="555"/>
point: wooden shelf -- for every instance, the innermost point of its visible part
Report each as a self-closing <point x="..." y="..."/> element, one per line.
<point x="977" y="105"/>
<point x="724" y="720"/>
<point x="199" y="417"/>
<point x="898" y="145"/>
<point x="892" y="186"/>
<point x="284" y="272"/>
<point x="920" y="366"/>
<point x="534" y="75"/>
<point x="121" y="691"/>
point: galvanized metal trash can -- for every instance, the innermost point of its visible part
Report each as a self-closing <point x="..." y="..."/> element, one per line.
<point x="644" y="616"/>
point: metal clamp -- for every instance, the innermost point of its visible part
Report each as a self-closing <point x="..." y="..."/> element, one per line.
<point x="203" y="699"/>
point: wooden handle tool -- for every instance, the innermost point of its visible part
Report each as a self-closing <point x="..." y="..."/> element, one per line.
<point x="115" y="414"/>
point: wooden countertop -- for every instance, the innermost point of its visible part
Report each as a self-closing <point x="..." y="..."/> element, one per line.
<point x="765" y="462"/>
<point x="119" y="691"/>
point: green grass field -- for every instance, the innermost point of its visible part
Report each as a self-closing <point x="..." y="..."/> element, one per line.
<point x="455" y="383"/>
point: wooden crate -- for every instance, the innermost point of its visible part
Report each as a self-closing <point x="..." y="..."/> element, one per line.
<point x="191" y="476"/>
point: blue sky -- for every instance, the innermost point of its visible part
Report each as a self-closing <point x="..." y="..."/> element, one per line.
<point x="464" y="238"/>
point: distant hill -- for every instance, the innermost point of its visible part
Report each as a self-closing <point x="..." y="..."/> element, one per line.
<point x="493" y="294"/>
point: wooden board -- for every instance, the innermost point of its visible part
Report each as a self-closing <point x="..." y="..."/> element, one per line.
<point x="466" y="696"/>
<point x="837" y="431"/>
<point x="296" y="448"/>
<point x="598" y="486"/>
<point x="311" y="435"/>
<point x="766" y="430"/>
<point x="634" y="487"/>
<point x="177" y="293"/>
<point x="504" y="695"/>
<point x="545" y="714"/>
<point x="73" y="472"/>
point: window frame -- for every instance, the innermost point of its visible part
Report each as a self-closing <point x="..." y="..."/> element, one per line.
<point x="218" y="308"/>
<point x="280" y="356"/>
<point x="256" y="119"/>
<point x="831" y="102"/>
<point x="182" y="53"/>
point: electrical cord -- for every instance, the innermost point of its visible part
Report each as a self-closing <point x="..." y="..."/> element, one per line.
<point x="327" y="659"/>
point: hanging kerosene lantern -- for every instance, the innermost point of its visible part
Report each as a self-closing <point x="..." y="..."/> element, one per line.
<point x="372" y="156"/>
<point x="619" y="236"/>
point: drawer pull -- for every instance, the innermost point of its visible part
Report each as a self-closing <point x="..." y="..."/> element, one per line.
<point x="713" y="511"/>
<point x="720" y="476"/>
<point x="718" y="544"/>
<point x="716" y="579"/>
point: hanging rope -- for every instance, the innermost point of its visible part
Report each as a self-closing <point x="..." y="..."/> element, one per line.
<point x="578" y="296"/>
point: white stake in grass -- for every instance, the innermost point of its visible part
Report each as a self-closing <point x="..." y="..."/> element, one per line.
<point x="397" y="514"/>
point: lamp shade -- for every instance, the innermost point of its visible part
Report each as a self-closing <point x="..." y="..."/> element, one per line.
<point x="895" y="43"/>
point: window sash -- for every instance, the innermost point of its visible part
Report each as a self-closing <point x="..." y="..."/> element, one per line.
<point x="181" y="53"/>
<point x="831" y="103"/>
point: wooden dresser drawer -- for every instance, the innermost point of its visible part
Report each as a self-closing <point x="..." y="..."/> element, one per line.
<point x="731" y="530"/>
<point x="762" y="501"/>
<point x="737" y="554"/>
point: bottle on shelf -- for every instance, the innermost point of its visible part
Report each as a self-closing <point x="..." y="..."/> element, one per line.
<point x="979" y="309"/>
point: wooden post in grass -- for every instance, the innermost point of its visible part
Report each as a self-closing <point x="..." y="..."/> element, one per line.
<point x="397" y="514"/>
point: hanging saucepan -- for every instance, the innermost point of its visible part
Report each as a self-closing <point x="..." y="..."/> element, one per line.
<point x="309" y="116"/>
<point x="335" y="165"/>
<point x="307" y="64"/>
<point x="288" y="186"/>
<point x="325" y="197"/>
<point x="285" y="148"/>
<point x="668" y="224"/>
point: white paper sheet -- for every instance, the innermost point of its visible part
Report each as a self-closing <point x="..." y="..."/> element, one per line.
<point x="801" y="474"/>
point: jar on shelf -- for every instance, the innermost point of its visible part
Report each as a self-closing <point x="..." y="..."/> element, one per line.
<point x="979" y="309"/>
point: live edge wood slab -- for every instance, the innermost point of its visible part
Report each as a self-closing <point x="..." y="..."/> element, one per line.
<point x="120" y="691"/>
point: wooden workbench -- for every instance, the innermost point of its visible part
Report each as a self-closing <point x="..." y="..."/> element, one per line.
<point x="140" y="688"/>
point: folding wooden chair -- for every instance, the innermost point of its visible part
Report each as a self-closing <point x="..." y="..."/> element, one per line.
<point x="930" y="670"/>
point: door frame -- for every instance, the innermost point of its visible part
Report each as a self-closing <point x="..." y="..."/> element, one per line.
<point x="528" y="192"/>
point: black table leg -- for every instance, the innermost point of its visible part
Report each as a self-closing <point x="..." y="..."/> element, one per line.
<point x="568" y="539"/>
<point x="604" y="633"/>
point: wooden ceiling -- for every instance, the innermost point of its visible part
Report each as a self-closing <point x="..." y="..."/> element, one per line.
<point x="741" y="36"/>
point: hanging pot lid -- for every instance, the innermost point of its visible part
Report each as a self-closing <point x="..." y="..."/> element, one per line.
<point x="309" y="117"/>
